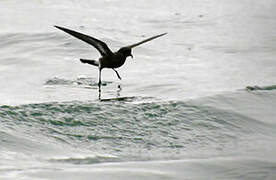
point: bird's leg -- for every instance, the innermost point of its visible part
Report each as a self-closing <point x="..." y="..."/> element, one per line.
<point x="100" y="82"/>
<point x="117" y="74"/>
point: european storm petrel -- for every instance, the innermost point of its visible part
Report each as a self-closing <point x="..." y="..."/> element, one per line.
<point x="109" y="59"/>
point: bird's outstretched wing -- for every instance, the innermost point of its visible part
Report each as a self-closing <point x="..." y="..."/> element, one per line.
<point x="146" y="40"/>
<point x="99" y="45"/>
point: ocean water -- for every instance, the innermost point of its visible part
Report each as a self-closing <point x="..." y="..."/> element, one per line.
<point x="198" y="103"/>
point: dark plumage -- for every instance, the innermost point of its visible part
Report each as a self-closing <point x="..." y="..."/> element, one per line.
<point x="108" y="58"/>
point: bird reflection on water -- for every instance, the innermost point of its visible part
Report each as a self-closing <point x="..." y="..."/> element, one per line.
<point x="118" y="94"/>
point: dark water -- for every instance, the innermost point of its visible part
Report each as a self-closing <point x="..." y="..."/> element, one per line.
<point x="170" y="130"/>
<point x="198" y="103"/>
<point x="124" y="129"/>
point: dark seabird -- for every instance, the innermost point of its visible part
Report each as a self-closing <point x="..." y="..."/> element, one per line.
<point x="108" y="58"/>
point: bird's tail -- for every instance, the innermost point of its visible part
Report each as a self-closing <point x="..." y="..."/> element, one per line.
<point x="89" y="61"/>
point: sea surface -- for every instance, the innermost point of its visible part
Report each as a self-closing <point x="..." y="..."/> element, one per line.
<point x="198" y="103"/>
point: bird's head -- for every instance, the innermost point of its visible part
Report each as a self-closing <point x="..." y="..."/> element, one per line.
<point x="125" y="51"/>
